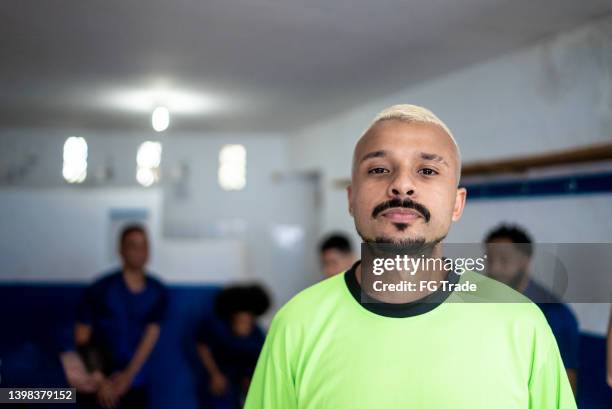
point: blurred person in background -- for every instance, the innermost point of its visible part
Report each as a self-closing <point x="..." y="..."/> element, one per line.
<point x="509" y="252"/>
<point x="118" y="324"/>
<point x="336" y="254"/>
<point x="230" y="342"/>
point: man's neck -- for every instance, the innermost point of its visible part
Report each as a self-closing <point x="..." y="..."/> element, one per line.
<point x="134" y="279"/>
<point x="523" y="283"/>
<point x="417" y="276"/>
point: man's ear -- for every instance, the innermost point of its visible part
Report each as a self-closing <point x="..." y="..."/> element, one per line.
<point x="349" y="194"/>
<point x="459" y="203"/>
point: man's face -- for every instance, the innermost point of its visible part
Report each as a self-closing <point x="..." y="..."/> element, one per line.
<point x="505" y="262"/>
<point x="404" y="184"/>
<point x="135" y="250"/>
<point x="243" y="323"/>
<point x="334" y="261"/>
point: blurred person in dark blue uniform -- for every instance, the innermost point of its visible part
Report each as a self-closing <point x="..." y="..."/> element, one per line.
<point x="509" y="250"/>
<point x="118" y="324"/>
<point x="230" y="342"/>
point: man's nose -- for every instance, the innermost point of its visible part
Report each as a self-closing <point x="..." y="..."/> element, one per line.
<point x="402" y="186"/>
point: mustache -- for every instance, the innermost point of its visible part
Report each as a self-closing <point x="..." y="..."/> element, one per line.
<point x="406" y="204"/>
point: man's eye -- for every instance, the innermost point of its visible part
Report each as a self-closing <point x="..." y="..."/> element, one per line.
<point x="378" y="170"/>
<point x="428" y="172"/>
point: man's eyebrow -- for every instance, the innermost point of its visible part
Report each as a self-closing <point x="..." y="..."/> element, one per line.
<point x="433" y="156"/>
<point x="374" y="154"/>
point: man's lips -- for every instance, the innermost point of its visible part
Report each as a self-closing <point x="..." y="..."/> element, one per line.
<point x="401" y="215"/>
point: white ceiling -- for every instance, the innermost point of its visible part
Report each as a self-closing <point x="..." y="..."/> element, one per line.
<point x="245" y="65"/>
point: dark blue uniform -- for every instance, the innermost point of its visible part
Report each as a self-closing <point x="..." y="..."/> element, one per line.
<point x="119" y="317"/>
<point x="562" y="321"/>
<point x="235" y="356"/>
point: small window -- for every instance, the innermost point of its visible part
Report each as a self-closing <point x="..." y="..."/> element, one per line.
<point x="74" y="168"/>
<point x="232" y="167"/>
<point x="148" y="160"/>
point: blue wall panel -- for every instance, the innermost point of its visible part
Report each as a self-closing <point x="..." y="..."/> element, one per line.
<point x="578" y="184"/>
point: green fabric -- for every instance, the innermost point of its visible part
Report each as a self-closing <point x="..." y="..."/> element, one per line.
<point x="324" y="350"/>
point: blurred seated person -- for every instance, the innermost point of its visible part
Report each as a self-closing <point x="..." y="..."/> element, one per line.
<point x="336" y="254"/>
<point x="118" y="324"/>
<point x="229" y="343"/>
<point x="509" y="250"/>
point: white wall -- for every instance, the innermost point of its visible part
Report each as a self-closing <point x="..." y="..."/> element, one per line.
<point x="202" y="234"/>
<point x="551" y="95"/>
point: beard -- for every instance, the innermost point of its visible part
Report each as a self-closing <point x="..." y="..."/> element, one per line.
<point x="412" y="246"/>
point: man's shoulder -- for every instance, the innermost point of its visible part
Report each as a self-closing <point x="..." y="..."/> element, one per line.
<point x="501" y="302"/>
<point x="155" y="282"/>
<point x="489" y="290"/>
<point x="560" y="316"/>
<point x="108" y="278"/>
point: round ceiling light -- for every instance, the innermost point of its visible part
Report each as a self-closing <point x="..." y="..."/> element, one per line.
<point x="160" y="119"/>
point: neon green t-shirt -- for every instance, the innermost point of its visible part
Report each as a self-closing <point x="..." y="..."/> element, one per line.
<point x="326" y="350"/>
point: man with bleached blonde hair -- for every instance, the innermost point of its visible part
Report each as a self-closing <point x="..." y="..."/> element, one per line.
<point x="341" y="344"/>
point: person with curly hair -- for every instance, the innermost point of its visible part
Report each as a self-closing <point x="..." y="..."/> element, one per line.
<point x="230" y="342"/>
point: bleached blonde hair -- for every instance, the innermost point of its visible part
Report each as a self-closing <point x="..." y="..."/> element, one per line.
<point x="414" y="113"/>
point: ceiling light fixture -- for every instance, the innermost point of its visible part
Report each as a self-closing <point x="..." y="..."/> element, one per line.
<point x="160" y="119"/>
